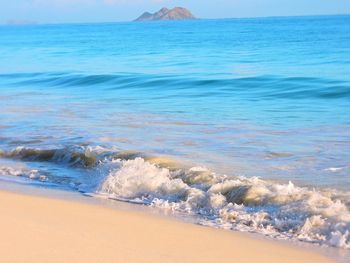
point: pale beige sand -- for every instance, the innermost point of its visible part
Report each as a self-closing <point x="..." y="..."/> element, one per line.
<point x="40" y="229"/>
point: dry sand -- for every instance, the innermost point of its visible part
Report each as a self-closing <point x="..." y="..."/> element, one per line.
<point x="42" y="229"/>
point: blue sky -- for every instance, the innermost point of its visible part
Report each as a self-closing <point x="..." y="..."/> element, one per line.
<point x="61" y="11"/>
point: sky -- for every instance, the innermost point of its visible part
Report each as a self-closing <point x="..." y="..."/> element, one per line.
<point x="71" y="11"/>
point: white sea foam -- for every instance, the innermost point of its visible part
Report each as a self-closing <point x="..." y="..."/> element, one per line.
<point x="247" y="204"/>
<point x="336" y="169"/>
<point x="138" y="178"/>
<point x="8" y="170"/>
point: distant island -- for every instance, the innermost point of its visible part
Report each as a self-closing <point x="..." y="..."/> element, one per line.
<point x="177" y="13"/>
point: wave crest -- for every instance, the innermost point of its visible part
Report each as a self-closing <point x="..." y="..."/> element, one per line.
<point x="76" y="156"/>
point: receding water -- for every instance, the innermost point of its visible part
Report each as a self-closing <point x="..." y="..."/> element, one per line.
<point x="93" y="107"/>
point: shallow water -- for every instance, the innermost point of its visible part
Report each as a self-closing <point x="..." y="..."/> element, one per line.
<point x="93" y="107"/>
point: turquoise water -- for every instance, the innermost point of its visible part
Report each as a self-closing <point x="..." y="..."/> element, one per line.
<point x="267" y="97"/>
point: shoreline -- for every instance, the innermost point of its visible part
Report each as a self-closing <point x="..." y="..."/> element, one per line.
<point x="52" y="229"/>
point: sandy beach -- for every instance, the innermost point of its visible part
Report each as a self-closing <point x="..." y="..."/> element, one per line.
<point x="45" y="229"/>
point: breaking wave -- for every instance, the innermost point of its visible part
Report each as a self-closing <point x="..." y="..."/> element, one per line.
<point x="278" y="210"/>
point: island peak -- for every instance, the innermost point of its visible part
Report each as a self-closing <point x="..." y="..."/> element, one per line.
<point x="177" y="13"/>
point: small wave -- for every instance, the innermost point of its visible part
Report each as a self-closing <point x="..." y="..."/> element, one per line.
<point x="246" y="204"/>
<point x="267" y="87"/>
<point x="84" y="156"/>
<point x="75" y="155"/>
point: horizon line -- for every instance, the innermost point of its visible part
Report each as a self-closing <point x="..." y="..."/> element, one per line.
<point x="36" y="23"/>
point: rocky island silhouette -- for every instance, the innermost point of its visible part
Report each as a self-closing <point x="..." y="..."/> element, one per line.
<point x="177" y="13"/>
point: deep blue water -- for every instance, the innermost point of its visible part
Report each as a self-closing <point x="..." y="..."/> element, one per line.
<point x="267" y="97"/>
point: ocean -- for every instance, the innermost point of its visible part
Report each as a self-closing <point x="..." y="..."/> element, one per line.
<point x="242" y="123"/>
